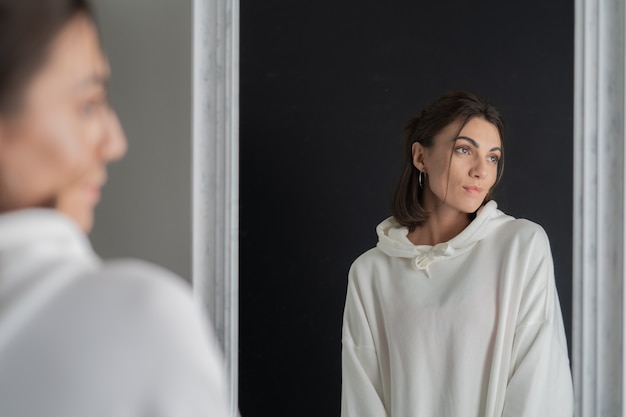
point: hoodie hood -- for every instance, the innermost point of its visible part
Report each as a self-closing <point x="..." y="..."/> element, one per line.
<point x="41" y="252"/>
<point x="32" y="238"/>
<point x="393" y="240"/>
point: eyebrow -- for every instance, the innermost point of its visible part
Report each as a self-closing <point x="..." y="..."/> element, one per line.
<point x="96" y="79"/>
<point x="475" y="144"/>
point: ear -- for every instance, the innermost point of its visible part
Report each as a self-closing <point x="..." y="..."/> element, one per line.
<point x="419" y="153"/>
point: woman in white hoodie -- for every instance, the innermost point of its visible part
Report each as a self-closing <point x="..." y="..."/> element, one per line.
<point x="455" y="312"/>
<point x="79" y="336"/>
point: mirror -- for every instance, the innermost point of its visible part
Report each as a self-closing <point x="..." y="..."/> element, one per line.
<point x="326" y="89"/>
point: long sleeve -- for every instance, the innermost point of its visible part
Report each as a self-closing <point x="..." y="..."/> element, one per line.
<point x="540" y="381"/>
<point x="361" y="388"/>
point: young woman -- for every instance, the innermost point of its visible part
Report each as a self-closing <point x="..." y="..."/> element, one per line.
<point x="79" y="336"/>
<point x="455" y="312"/>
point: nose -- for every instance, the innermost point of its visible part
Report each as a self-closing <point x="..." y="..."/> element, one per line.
<point x="114" y="145"/>
<point x="479" y="168"/>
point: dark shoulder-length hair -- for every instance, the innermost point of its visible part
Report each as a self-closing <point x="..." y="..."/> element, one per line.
<point x="452" y="107"/>
<point x="27" y="29"/>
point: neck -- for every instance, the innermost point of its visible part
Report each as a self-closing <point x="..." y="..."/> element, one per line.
<point x="443" y="224"/>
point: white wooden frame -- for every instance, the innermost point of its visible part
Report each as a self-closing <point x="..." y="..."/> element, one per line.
<point x="599" y="216"/>
<point x="216" y="173"/>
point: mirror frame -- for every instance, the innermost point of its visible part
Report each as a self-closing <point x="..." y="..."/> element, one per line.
<point x="599" y="196"/>
<point x="599" y="208"/>
<point x="215" y="175"/>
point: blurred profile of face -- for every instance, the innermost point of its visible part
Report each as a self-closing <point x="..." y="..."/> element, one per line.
<point x="55" y="147"/>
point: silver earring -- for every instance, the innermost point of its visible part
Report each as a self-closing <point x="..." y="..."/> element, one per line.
<point x="420" y="179"/>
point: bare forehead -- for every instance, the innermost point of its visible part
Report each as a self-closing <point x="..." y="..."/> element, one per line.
<point x="483" y="132"/>
<point x="479" y="130"/>
<point x="75" y="56"/>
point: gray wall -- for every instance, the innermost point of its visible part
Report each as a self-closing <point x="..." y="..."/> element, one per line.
<point x="146" y="207"/>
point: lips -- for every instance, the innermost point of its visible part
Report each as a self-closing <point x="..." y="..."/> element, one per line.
<point x="473" y="189"/>
<point x="93" y="189"/>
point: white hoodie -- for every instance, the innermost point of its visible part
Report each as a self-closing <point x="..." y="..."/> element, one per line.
<point x="79" y="337"/>
<point x="470" y="327"/>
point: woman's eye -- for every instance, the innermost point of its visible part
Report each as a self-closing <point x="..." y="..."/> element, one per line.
<point x="494" y="159"/>
<point x="92" y="106"/>
<point x="462" y="150"/>
<point x="87" y="109"/>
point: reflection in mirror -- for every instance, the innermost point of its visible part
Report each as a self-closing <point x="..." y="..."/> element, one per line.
<point x="455" y="312"/>
<point x="326" y="89"/>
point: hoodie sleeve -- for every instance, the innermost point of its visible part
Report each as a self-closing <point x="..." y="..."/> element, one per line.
<point x="361" y="387"/>
<point x="540" y="382"/>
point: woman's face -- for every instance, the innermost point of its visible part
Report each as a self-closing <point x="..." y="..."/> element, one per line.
<point x="460" y="169"/>
<point x="54" y="149"/>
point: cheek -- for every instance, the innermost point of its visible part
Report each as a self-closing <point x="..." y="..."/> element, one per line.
<point x="65" y="142"/>
<point x="439" y="183"/>
<point x="41" y="155"/>
<point x="442" y="173"/>
<point x="493" y="176"/>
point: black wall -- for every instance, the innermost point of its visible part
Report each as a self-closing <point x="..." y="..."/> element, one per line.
<point x="326" y="88"/>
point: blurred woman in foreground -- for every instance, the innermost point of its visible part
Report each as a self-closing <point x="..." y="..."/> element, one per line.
<point x="79" y="336"/>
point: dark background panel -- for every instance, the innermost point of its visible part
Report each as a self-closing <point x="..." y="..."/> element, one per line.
<point x="326" y="88"/>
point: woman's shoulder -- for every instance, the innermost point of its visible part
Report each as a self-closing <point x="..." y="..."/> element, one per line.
<point x="492" y="217"/>
<point x="119" y="295"/>
<point x="369" y="266"/>
<point x="368" y="258"/>
<point x="134" y="302"/>
<point x="520" y="234"/>
<point x="140" y="285"/>
<point x="142" y="273"/>
<point x="493" y="222"/>
<point x="521" y="228"/>
<point x="133" y="332"/>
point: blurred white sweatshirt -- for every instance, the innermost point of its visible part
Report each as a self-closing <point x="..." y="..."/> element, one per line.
<point x="82" y="337"/>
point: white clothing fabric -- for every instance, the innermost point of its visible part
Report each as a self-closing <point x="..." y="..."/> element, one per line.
<point x="470" y="327"/>
<point x="81" y="337"/>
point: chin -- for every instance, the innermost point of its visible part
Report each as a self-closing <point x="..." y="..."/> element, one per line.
<point x="470" y="208"/>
